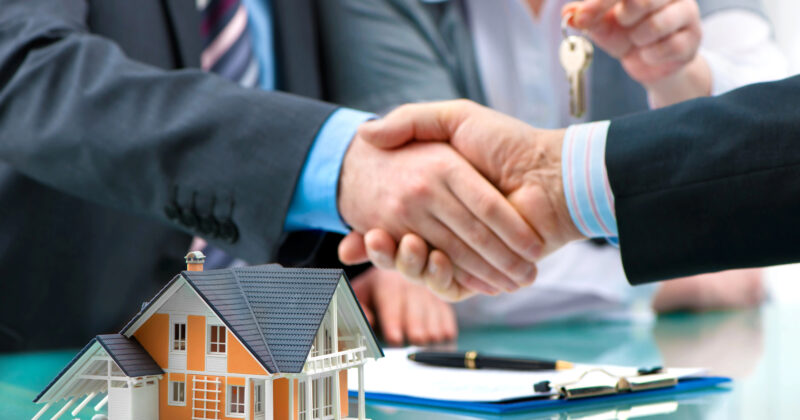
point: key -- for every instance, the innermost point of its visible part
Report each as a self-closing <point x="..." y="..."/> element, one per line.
<point x="575" y="54"/>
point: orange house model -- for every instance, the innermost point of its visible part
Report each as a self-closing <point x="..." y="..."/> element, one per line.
<point x="261" y="342"/>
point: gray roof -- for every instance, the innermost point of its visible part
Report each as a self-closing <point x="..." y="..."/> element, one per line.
<point x="127" y="353"/>
<point x="274" y="311"/>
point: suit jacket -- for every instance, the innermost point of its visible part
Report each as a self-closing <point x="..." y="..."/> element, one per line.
<point x="709" y="184"/>
<point x="423" y="51"/>
<point x="115" y="149"/>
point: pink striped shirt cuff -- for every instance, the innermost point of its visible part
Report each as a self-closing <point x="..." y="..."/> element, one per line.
<point x="586" y="187"/>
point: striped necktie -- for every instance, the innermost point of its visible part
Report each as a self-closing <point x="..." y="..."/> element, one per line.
<point x="227" y="51"/>
<point x="227" y="41"/>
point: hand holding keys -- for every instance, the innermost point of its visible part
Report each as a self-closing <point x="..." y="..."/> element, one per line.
<point x="575" y="55"/>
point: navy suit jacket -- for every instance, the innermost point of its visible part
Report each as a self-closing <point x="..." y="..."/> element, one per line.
<point x="709" y="184"/>
<point x="115" y="149"/>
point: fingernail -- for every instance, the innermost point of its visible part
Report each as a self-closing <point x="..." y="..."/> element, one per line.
<point x="380" y="259"/>
<point x="535" y="251"/>
<point x="433" y="268"/>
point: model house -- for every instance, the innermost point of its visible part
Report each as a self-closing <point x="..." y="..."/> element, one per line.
<point x="261" y="342"/>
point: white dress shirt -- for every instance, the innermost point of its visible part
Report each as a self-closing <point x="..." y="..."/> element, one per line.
<point x="582" y="279"/>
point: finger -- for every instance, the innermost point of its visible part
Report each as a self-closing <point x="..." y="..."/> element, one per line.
<point x="588" y="12"/>
<point x="416" y="318"/>
<point x="494" y="211"/>
<point x="352" y="249"/>
<point x="438" y="270"/>
<point x="464" y="256"/>
<point x="369" y="315"/>
<point x="629" y="12"/>
<point x="434" y="316"/>
<point x="610" y="36"/>
<point x="390" y="301"/>
<point x="465" y="281"/>
<point x="449" y="322"/>
<point x="411" y="257"/>
<point x="435" y="121"/>
<point x="381" y="248"/>
<point x="676" y="49"/>
<point x="459" y="286"/>
<point x="664" y="22"/>
<point x="362" y="287"/>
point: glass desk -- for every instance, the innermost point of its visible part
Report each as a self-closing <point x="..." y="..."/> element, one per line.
<point x="759" y="349"/>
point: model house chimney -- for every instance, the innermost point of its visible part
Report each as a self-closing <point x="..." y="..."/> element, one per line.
<point x="194" y="261"/>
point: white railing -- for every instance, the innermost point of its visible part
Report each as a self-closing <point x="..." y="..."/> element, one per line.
<point x="335" y="361"/>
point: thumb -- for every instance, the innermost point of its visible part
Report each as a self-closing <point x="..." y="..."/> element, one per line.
<point x="352" y="250"/>
<point x="434" y="121"/>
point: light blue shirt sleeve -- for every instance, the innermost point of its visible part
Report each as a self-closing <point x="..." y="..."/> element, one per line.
<point x="586" y="187"/>
<point x="314" y="204"/>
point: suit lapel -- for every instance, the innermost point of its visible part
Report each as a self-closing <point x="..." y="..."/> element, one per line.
<point x="296" y="50"/>
<point x="185" y="23"/>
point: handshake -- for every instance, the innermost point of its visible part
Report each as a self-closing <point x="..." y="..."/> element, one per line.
<point x="454" y="195"/>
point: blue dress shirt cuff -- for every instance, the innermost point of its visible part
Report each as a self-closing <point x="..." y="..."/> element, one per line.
<point x="314" y="204"/>
<point x="586" y="188"/>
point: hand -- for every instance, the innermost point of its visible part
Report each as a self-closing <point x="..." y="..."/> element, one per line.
<point x="655" y="40"/>
<point x="404" y="311"/>
<point x="525" y="163"/>
<point x="735" y="289"/>
<point x="431" y="190"/>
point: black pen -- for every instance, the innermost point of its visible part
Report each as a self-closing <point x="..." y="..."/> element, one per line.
<point x="473" y="360"/>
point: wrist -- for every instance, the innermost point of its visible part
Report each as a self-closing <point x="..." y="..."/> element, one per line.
<point x="536" y="188"/>
<point x="690" y="81"/>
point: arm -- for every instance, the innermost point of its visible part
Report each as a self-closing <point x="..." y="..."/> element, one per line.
<point x="701" y="186"/>
<point x="708" y="185"/>
<point x="81" y="117"/>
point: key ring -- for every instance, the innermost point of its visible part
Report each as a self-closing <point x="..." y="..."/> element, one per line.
<point x="565" y="23"/>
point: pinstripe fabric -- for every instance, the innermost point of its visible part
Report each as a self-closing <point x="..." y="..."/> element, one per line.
<point x="586" y="187"/>
<point x="227" y="42"/>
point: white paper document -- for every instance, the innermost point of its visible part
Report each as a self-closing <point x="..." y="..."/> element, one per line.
<point x="395" y="374"/>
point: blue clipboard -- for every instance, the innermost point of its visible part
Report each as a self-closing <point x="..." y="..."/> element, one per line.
<point x="684" y="385"/>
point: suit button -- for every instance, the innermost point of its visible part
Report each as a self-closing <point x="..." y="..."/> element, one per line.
<point x="228" y="231"/>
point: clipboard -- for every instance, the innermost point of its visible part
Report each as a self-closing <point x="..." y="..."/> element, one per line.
<point x="394" y="380"/>
<point x="548" y="403"/>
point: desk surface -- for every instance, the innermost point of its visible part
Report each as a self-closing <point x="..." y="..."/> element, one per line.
<point x="759" y="349"/>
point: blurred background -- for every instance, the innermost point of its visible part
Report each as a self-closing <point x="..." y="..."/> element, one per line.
<point x="786" y="16"/>
<point x="784" y="282"/>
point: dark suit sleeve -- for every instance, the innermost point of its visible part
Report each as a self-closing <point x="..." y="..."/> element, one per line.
<point x="184" y="147"/>
<point x="709" y="184"/>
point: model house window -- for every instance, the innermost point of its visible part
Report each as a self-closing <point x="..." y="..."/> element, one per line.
<point x="235" y="399"/>
<point x="303" y="413"/>
<point x="179" y="336"/>
<point x="258" y="403"/>
<point x="216" y="343"/>
<point x="327" y="403"/>
<point x="177" y="393"/>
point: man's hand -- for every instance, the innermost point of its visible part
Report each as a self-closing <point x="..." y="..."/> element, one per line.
<point x="655" y="40"/>
<point x="402" y="311"/>
<point x="525" y="163"/>
<point x="431" y="190"/>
